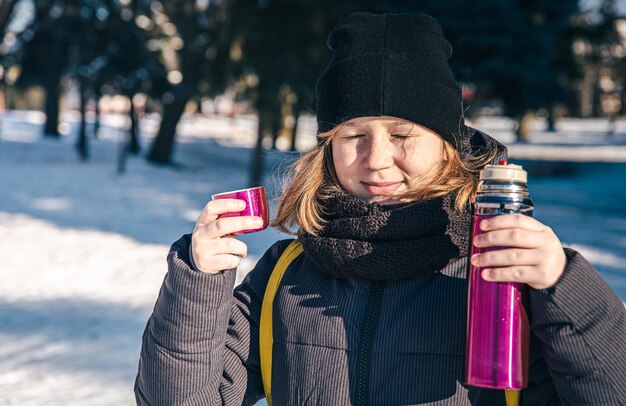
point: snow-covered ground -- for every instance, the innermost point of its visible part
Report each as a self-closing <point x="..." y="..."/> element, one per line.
<point x="83" y="247"/>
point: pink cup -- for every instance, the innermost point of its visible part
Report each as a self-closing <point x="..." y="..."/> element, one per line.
<point x="256" y="205"/>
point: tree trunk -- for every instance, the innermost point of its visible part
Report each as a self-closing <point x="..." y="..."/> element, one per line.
<point x="297" y="111"/>
<point x="122" y="153"/>
<point x="9" y="98"/>
<point x="622" y="110"/>
<point x="525" y="126"/>
<point x="551" y="119"/>
<point x="2" y="108"/>
<point x="162" y="146"/>
<point x="6" y="9"/>
<point x="134" y="147"/>
<point x="81" y="145"/>
<point x="256" y="169"/>
<point x="51" y="128"/>
<point x="597" y="92"/>
<point x="277" y="126"/>
<point x="96" y="123"/>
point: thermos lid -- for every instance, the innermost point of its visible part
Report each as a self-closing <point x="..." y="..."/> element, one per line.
<point x="504" y="171"/>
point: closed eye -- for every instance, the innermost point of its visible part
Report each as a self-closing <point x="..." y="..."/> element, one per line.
<point x="401" y="136"/>
<point x="352" y="136"/>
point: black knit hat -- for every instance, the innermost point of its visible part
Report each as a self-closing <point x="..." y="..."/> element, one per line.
<point x="391" y="65"/>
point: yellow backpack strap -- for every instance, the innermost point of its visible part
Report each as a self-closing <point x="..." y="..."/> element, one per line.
<point x="266" y="337"/>
<point x="512" y="397"/>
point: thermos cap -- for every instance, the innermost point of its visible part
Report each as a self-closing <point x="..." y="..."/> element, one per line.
<point x="507" y="172"/>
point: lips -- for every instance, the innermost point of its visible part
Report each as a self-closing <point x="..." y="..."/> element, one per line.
<point x="380" y="188"/>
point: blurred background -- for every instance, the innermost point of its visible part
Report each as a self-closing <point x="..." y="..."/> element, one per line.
<point x="120" y="118"/>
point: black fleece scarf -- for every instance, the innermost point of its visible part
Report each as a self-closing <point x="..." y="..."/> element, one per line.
<point x="388" y="242"/>
<point x="392" y="242"/>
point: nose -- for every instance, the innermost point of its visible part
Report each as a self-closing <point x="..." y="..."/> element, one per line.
<point x="379" y="153"/>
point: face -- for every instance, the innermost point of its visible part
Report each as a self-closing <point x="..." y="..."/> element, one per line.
<point x="379" y="158"/>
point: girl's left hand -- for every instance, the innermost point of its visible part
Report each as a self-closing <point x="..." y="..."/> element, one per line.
<point x="534" y="254"/>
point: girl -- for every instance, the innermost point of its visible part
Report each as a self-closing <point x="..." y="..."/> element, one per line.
<point x="373" y="311"/>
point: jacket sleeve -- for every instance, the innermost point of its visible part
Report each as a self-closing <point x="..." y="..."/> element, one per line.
<point x="198" y="347"/>
<point x="581" y="325"/>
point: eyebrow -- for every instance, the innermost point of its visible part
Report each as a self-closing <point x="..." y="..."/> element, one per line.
<point x="402" y="124"/>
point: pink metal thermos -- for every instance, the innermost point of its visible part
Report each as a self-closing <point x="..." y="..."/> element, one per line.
<point x="497" y="324"/>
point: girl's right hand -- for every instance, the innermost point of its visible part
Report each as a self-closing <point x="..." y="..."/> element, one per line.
<point x="211" y="247"/>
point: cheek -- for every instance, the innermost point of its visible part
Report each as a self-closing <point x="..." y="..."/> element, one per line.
<point x="421" y="159"/>
<point x="344" y="162"/>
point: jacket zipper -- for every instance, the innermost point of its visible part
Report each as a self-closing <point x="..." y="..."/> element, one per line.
<point x="367" y="338"/>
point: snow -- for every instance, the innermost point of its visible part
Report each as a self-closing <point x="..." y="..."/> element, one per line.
<point x="84" y="247"/>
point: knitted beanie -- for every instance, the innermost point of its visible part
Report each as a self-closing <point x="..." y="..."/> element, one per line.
<point x="391" y="65"/>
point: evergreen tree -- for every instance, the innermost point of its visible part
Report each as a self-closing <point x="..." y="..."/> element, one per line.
<point x="283" y="43"/>
<point x="517" y="52"/>
<point x="512" y="50"/>
<point x="43" y="56"/>
<point x="6" y="10"/>
<point x="599" y="51"/>
<point x="196" y="52"/>
<point x="95" y="42"/>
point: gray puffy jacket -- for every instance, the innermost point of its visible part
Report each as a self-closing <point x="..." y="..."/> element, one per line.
<point x="341" y="342"/>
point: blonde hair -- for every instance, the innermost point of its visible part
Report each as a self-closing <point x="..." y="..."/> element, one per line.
<point x="312" y="179"/>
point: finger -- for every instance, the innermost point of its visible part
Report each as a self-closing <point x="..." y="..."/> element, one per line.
<point x="506" y="257"/>
<point x="513" y="237"/>
<point x="511" y="221"/>
<point x="219" y="246"/>
<point x="520" y="274"/>
<point x="214" y="208"/>
<point x="218" y="263"/>
<point x="227" y="225"/>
